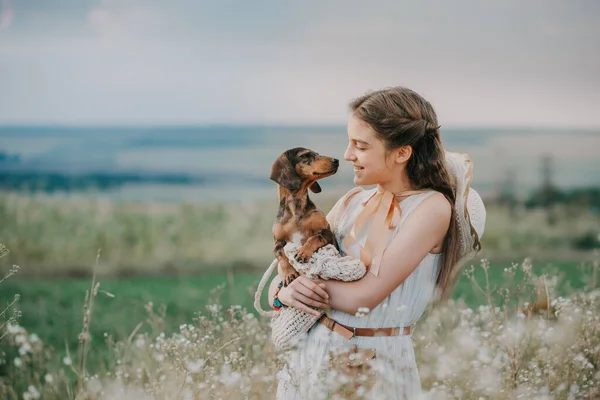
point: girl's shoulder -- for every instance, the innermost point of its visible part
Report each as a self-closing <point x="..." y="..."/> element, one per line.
<point x="412" y="202"/>
<point x="357" y="196"/>
<point x="351" y="194"/>
<point x="341" y="206"/>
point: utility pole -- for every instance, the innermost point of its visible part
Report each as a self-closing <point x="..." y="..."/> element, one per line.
<point x="508" y="187"/>
<point x="547" y="186"/>
<point x="548" y="190"/>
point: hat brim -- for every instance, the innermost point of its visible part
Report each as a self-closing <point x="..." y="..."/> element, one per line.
<point x="469" y="208"/>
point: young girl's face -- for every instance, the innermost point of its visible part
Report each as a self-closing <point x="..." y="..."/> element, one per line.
<point x="367" y="153"/>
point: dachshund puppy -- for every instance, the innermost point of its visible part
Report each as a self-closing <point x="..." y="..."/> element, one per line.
<point x="299" y="220"/>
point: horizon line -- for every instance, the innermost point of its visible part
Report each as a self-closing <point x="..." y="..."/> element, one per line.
<point x="279" y="125"/>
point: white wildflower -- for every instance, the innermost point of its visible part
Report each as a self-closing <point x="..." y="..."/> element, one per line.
<point x="195" y="366"/>
<point x="228" y="377"/>
<point x="20" y="339"/>
<point x="14" y="329"/>
<point x="67" y="361"/>
<point x="187" y="394"/>
<point x="33" y="392"/>
<point x="25" y="348"/>
<point x="213" y="308"/>
<point x="362" y="312"/>
<point x="94" y="386"/>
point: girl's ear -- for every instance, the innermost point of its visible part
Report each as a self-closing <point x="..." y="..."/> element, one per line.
<point x="403" y="154"/>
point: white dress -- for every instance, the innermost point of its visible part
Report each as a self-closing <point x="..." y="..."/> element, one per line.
<point x="305" y="374"/>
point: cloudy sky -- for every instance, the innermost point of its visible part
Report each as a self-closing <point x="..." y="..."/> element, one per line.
<point x="481" y="63"/>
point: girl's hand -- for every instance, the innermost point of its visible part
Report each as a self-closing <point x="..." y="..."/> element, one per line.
<point x="304" y="293"/>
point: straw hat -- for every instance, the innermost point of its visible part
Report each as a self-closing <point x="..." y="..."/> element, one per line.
<point x="470" y="210"/>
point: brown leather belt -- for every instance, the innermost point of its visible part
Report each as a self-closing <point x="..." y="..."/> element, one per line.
<point x="349" y="332"/>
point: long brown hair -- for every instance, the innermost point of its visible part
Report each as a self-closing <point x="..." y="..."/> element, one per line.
<point x="401" y="117"/>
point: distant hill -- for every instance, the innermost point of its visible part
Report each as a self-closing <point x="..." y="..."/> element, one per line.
<point x="53" y="181"/>
<point x="9" y="158"/>
<point x="583" y="197"/>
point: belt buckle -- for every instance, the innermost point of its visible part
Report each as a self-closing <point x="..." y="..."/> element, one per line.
<point x="353" y="333"/>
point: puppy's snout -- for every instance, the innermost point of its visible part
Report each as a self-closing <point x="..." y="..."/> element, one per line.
<point x="335" y="162"/>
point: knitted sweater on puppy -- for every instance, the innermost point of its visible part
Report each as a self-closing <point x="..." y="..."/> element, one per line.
<point x="289" y="324"/>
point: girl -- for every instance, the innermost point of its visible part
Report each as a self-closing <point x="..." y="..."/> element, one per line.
<point x="410" y="231"/>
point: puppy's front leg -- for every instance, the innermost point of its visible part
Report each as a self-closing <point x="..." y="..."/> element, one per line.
<point x="289" y="273"/>
<point x="313" y="244"/>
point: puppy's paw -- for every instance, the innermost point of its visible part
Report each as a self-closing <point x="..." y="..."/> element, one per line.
<point x="289" y="277"/>
<point x="303" y="255"/>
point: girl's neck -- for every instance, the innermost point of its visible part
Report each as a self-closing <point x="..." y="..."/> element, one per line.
<point x="397" y="186"/>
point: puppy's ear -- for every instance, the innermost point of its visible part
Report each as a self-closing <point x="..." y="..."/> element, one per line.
<point x="284" y="174"/>
<point x="315" y="187"/>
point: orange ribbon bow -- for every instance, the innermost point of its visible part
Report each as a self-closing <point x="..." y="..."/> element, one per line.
<point x="385" y="206"/>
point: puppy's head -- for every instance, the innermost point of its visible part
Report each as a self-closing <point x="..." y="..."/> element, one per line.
<point x="298" y="167"/>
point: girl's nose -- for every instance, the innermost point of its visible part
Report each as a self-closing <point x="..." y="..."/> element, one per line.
<point x="349" y="154"/>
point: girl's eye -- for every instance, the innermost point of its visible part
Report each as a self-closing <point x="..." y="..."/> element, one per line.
<point x="358" y="146"/>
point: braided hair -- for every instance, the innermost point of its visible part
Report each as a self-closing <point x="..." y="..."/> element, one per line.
<point x="401" y="117"/>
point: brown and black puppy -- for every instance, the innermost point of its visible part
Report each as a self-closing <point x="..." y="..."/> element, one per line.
<point x="298" y="219"/>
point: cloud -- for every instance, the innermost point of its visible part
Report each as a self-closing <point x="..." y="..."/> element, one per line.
<point x="6" y="14"/>
<point x="189" y="61"/>
<point x="120" y="20"/>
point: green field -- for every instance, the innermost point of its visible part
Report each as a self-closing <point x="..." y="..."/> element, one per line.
<point x="163" y="267"/>
<point x="51" y="237"/>
<point x="53" y="308"/>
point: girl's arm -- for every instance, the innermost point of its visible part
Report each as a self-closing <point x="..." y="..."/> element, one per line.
<point x="422" y="231"/>
<point x="301" y="293"/>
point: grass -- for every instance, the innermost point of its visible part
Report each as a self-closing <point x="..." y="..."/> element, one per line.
<point x="495" y="352"/>
<point x="53" y="308"/>
<point x="55" y="236"/>
<point x="163" y="264"/>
